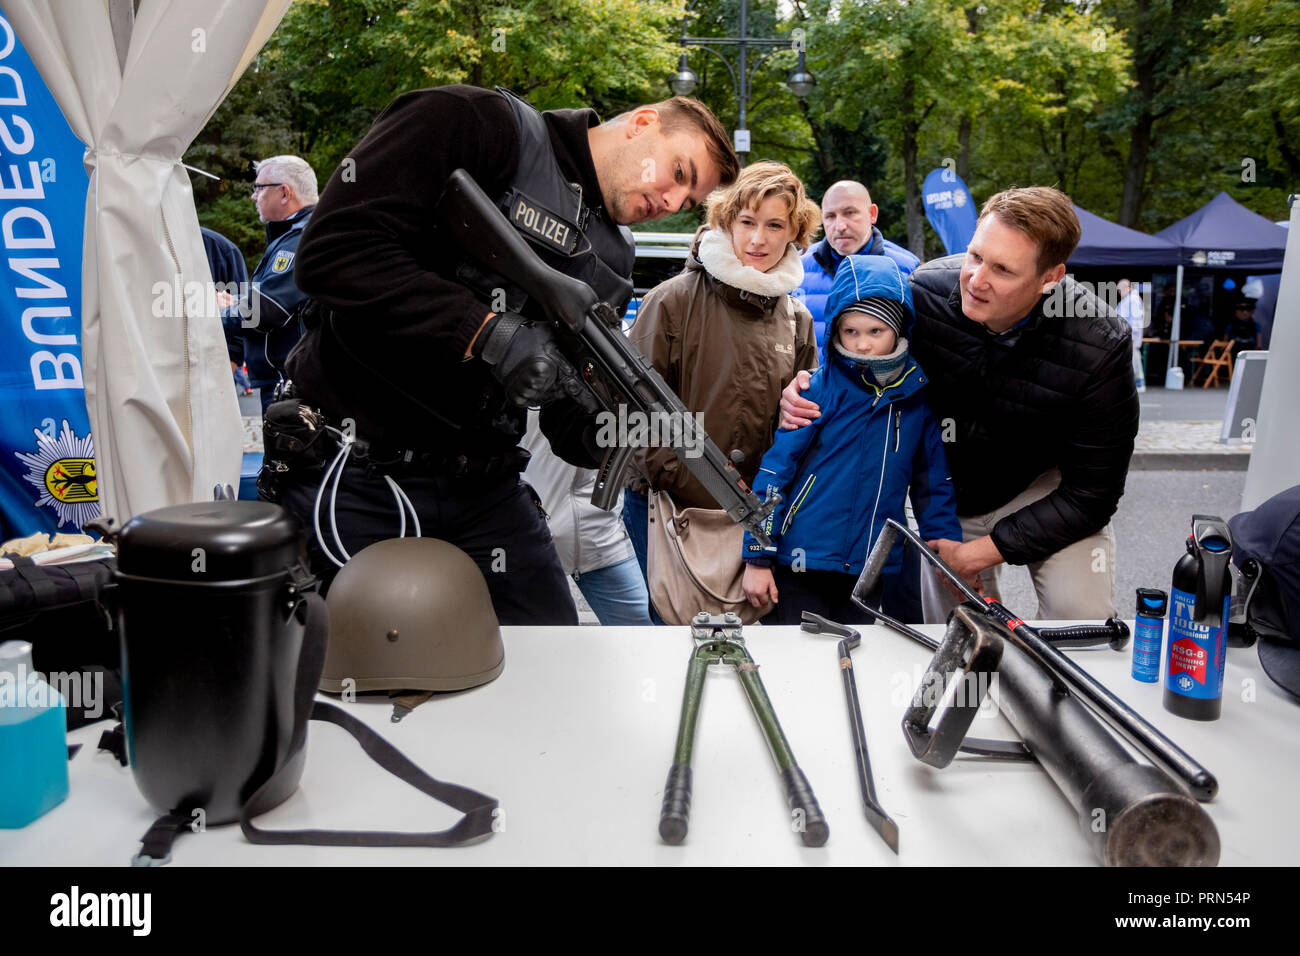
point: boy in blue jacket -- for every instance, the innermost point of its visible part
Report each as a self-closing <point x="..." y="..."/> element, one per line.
<point x="853" y="468"/>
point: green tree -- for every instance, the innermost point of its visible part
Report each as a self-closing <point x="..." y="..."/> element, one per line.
<point x="346" y="61"/>
<point x="255" y="121"/>
<point x="1054" y="71"/>
<point x="1258" y="55"/>
<point x="1167" y="41"/>
<point x="908" y="57"/>
<point x="331" y="67"/>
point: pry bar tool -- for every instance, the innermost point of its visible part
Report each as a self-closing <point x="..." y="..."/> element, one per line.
<point x="876" y="815"/>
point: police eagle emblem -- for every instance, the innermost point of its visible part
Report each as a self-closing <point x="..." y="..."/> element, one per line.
<point x="63" y="470"/>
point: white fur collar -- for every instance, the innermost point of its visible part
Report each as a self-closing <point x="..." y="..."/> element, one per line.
<point x="719" y="258"/>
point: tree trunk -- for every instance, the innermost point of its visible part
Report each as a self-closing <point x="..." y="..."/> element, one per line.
<point x="1289" y="155"/>
<point x="912" y="191"/>
<point x="820" y="154"/>
<point x="963" y="149"/>
<point x="964" y="125"/>
<point x="1135" y="172"/>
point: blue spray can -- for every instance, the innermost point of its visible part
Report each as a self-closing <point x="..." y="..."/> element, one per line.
<point x="1149" y="635"/>
<point x="1198" y="622"/>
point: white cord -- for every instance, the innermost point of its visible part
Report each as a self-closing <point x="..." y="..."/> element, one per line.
<point x="334" y="494"/>
<point x="339" y="463"/>
<point x="320" y="493"/>
<point x="400" y="495"/>
<point x="401" y="511"/>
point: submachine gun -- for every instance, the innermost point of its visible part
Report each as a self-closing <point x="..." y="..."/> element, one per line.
<point x="598" y="367"/>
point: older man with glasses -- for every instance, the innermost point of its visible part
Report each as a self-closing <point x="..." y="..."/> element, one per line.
<point x="263" y="326"/>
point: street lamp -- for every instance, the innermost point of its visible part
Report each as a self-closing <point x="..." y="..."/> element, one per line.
<point x="684" y="80"/>
<point x="800" y="82"/>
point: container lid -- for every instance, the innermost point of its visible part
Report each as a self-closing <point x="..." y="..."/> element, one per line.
<point x="210" y="541"/>
<point x="1152" y="602"/>
<point x="16" y="657"/>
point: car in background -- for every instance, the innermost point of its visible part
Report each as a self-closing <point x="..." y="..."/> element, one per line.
<point x="659" y="256"/>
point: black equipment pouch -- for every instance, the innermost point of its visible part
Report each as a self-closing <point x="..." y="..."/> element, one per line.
<point x="294" y="436"/>
<point x="61" y="610"/>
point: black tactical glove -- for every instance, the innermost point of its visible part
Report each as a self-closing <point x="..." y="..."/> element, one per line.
<point x="525" y="359"/>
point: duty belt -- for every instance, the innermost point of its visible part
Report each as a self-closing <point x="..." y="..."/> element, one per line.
<point x="410" y="461"/>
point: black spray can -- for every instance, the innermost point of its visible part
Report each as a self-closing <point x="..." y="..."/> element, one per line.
<point x="1198" y="622"/>
<point x="1149" y="635"/>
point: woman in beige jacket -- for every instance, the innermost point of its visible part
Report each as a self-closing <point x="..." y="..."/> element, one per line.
<point x="726" y="334"/>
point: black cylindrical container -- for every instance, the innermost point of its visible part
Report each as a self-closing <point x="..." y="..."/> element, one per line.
<point x="1199" y="604"/>
<point x="209" y="610"/>
<point x="1134" y="814"/>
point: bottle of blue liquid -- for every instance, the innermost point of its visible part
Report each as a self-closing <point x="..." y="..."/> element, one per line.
<point x="1149" y="635"/>
<point x="33" y="740"/>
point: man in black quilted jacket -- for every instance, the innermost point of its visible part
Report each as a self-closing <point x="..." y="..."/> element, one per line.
<point x="1032" y="379"/>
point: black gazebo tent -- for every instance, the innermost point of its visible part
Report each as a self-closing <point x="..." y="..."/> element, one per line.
<point x="1224" y="234"/>
<point x="1105" y="243"/>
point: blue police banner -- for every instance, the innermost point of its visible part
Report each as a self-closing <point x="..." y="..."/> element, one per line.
<point x="950" y="208"/>
<point x="47" y="459"/>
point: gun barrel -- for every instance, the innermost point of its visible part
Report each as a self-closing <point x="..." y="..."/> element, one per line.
<point x="1132" y="813"/>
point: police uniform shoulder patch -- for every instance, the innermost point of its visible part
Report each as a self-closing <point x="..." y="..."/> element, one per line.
<point x="282" y="262"/>
<point x="542" y="225"/>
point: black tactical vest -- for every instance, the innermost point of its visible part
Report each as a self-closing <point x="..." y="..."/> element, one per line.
<point x="552" y="214"/>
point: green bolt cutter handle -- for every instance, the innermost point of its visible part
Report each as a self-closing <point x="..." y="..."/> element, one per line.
<point x="718" y="641"/>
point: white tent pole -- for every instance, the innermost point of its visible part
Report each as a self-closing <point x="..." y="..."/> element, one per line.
<point x="1176" y="329"/>
<point x="1275" y="459"/>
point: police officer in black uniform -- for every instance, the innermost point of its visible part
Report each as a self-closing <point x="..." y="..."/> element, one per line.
<point x="263" y="327"/>
<point x="428" y="365"/>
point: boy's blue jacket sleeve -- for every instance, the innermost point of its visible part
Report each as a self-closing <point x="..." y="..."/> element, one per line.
<point x="933" y="498"/>
<point x="778" y="469"/>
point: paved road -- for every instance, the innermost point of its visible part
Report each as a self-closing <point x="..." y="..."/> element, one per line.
<point x="1154" y="518"/>
<point x="1187" y="404"/>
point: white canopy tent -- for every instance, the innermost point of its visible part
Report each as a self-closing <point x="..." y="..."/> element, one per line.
<point x="158" y="386"/>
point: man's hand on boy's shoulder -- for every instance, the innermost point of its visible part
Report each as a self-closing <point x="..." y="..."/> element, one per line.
<point x="797" y="411"/>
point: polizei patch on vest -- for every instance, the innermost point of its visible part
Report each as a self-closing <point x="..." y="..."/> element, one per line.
<point x="541" y="224"/>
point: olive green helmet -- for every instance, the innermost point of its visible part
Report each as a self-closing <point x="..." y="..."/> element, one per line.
<point x="411" y="614"/>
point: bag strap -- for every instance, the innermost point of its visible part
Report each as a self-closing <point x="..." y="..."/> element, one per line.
<point x="671" y="528"/>
<point x="479" y="809"/>
<point x="44" y="590"/>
